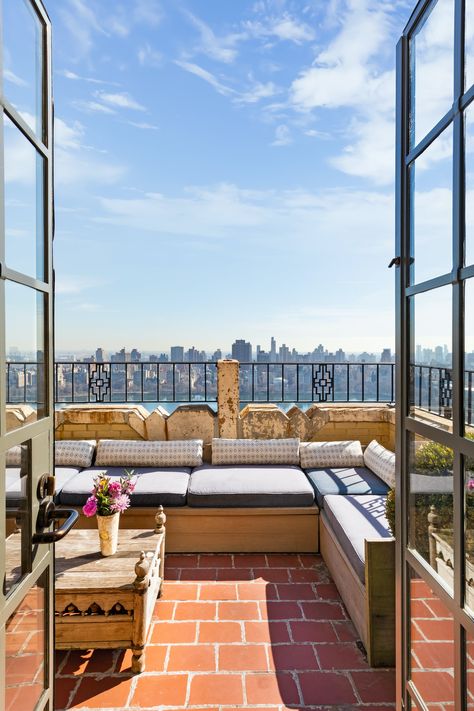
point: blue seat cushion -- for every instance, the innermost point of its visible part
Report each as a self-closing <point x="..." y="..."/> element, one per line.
<point x="15" y="485"/>
<point x="354" y="519"/>
<point x="249" y="486"/>
<point x="346" y="480"/>
<point x="154" y="485"/>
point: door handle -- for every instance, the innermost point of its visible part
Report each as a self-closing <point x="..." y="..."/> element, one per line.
<point x="46" y="515"/>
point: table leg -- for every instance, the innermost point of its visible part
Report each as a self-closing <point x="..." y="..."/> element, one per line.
<point x="138" y="659"/>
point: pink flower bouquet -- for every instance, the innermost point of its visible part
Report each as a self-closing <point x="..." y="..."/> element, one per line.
<point x="109" y="496"/>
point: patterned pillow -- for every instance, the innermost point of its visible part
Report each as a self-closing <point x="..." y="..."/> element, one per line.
<point x="13" y="456"/>
<point x="331" y="454"/>
<point x="74" y="452"/>
<point x="255" y="451"/>
<point x="139" y="453"/>
<point x="381" y="461"/>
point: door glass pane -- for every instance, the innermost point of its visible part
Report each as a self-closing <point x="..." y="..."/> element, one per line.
<point x="431" y="645"/>
<point x="470" y="671"/>
<point x="24" y="177"/>
<point x="430" y="514"/>
<point x="24" y="327"/>
<point x="469" y="531"/>
<point x="469" y="358"/>
<point x="25" y="652"/>
<point x="431" y="178"/>
<point x="16" y="515"/>
<point x="469" y="66"/>
<point x="431" y="357"/>
<point x="469" y="134"/>
<point x="23" y="46"/>
<point x="431" y="69"/>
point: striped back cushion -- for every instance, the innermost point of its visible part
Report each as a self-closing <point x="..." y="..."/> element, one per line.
<point x="381" y="461"/>
<point x="137" y="453"/>
<point x="74" y="452"/>
<point x="331" y="454"/>
<point x="255" y="451"/>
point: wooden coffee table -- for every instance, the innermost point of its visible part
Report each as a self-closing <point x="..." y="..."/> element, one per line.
<point x="103" y="603"/>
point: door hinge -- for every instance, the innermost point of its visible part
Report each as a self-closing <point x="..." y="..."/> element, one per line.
<point x="396" y="261"/>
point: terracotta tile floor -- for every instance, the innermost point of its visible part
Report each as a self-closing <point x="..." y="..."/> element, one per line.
<point x="236" y="631"/>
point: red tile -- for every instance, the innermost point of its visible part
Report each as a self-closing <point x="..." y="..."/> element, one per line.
<point x="91" y="661"/>
<point x="439" y="608"/>
<point x="220" y="632"/>
<point x="243" y="657"/>
<point x="163" y="690"/>
<point x="257" y="590"/>
<point x="197" y="657"/>
<point x="345" y="631"/>
<point x="434" y="686"/>
<point x="218" y="591"/>
<point x="437" y="630"/>
<point x="323" y="611"/>
<point x="434" y="655"/>
<point x="195" y="611"/>
<point x="178" y="591"/>
<point x="238" y="611"/>
<point x="215" y="560"/>
<point x="271" y="689"/>
<point x="311" y="560"/>
<point x="198" y="574"/>
<point x="172" y="573"/>
<point x="164" y="609"/>
<point x="283" y="560"/>
<point x="293" y="657"/>
<point x="419" y="608"/>
<point x="268" y="631"/>
<point x="184" y="560"/>
<point x="341" y="656"/>
<point x="295" y="591"/>
<point x="155" y="656"/>
<point x="173" y="632"/>
<point x="276" y="575"/>
<point x="305" y="575"/>
<point x="312" y="631"/>
<point x="323" y="688"/>
<point x="106" y="692"/>
<point x="63" y="689"/>
<point x="216" y="689"/>
<point x="234" y="574"/>
<point x="250" y="560"/>
<point x="327" y="591"/>
<point x="375" y="686"/>
<point x="280" y="610"/>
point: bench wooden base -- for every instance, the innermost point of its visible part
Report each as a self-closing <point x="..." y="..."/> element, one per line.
<point x="239" y="530"/>
<point x="370" y="606"/>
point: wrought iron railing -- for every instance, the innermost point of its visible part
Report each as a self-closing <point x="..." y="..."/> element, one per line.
<point x="281" y="383"/>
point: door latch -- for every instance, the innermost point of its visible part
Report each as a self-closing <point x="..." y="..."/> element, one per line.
<point x="395" y="262"/>
<point x="48" y="514"/>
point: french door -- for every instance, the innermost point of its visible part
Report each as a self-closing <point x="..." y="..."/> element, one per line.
<point x="26" y="334"/>
<point x="435" y="350"/>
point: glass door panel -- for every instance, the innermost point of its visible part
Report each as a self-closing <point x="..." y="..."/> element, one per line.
<point x="469" y="133"/>
<point x="24" y="202"/>
<point x="25" y="346"/>
<point x="432" y="184"/>
<point x="22" y="61"/>
<point x="17" y="506"/>
<point x="469" y="359"/>
<point x="469" y="71"/>
<point x="431" y="68"/>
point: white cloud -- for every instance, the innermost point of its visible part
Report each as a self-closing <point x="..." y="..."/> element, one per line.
<point x="82" y="23"/>
<point x="144" y="126"/>
<point x="73" y="284"/>
<point x="93" y="107"/>
<point x="14" y="78"/>
<point x="285" y="28"/>
<point x="371" y="154"/>
<point x="257" y="92"/>
<point x="67" y="74"/>
<point x="206" y="76"/>
<point x="222" y="49"/>
<point x="283" y="136"/>
<point x="149" y="57"/>
<point x="68" y="136"/>
<point x="148" y="12"/>
<point x="120" y="100"/>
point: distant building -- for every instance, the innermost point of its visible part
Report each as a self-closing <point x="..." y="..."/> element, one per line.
<point x="273" y="349"/>
<point x="177" y="354"/>
<point x="217" y="355"/>
<point x="340" y="356"/>
<point x="284" y="353"/>
<point x="163" y="358"/>
<point x="135" y="356"/>
<point x="242" y="351"/>
<point x="386" y="356"/>
<point x="99" y="355"/>
<point x="263" y="357"/>
<point x="195" y="356"/>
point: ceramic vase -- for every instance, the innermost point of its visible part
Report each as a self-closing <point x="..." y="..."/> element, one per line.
<point x="108" y="527"/>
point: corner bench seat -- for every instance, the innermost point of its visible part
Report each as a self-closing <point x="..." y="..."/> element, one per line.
<point x="355" y="519"/>
<point x="249" y="486"/>
<point x="154" y="485"/>
<point x="345" y="480"/>
<point x="13" y="478"/>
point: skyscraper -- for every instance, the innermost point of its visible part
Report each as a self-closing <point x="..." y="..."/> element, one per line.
<point x="242" y="351"/>
<point x="177" y="354"/>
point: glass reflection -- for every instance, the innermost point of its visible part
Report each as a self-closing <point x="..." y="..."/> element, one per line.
<point x="469" y="358"/>
<point x="431" y="195"/>
<point x="24" y="230"/>
<point x="469" y="530"/>
<point x="431" y="357"/>
<point x="469" y="671"/>
<point x="23" y="47"/>
<point x="431" y="69"/>
<point x="25" y="652"/>
<point x="469" y="60"/>
<point x="431" y="645"/>
<point x="16" y="515"/>
<point x="469" y="140"/>
<point x="25" y="376"/>
<point x="430" y="513"/>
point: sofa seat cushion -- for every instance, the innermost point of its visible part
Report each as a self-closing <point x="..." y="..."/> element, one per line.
<point x="249" y="486"/>
<point x="354" y="519"/>
<point x="14" y="482"/>
<point x="345" y="480"/>
<point x="154" y="486"/>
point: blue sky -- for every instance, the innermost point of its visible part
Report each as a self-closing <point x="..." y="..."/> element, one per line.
<point x="224" y="170"/>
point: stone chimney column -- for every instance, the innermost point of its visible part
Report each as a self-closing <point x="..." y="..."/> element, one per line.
<point x="228" y="399"/>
